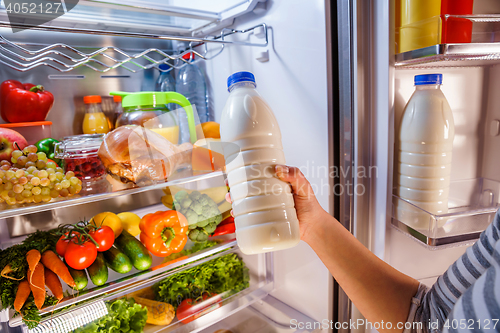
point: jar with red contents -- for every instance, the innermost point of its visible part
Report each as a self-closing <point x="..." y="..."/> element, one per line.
<point x="79" y="154"/>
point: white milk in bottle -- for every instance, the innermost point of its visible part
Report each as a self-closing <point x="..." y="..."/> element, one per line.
<point x="423" y="156"/>
<point x="263" y="206"/>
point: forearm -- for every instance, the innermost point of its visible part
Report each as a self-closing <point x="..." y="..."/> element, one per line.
<point x="378" y="290"/>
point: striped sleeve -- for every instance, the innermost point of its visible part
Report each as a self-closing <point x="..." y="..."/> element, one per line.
<point x="464" y="285"/>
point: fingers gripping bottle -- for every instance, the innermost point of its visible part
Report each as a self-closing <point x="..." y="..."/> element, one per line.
<point x="263" y="205"/>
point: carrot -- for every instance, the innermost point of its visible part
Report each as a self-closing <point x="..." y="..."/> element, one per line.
<point x="37" y="284"/>
<point x="22" y="294"/>
<point x="6" y="271"/>
<point x="52" y="281"/>
<point x="33" y="257"/>
<point x="52" y="262"/>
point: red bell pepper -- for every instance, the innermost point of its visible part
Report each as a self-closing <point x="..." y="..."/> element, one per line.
<point x="24" y="102"/>
<point x="225" y="227"/>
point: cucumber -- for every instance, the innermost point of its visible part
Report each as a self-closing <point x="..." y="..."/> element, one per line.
<point x="117" y="260"/>
<point x="98" y="271"/>
<point x="135" y="250"/>
<point x="80" y="277"/>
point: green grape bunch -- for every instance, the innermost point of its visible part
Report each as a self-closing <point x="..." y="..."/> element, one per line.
<point x="30" y="177"/>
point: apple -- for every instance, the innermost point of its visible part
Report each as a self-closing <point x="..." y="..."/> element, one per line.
<point x="8" y="138"/>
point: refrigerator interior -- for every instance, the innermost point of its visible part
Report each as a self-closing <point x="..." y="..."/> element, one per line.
<point x="469" y="86"/>
<point x="294" y="86"/>
<point x="377" y="86"/>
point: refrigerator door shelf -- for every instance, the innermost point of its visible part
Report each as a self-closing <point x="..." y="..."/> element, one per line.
<point x="472" y="206"/>
<point x="483" y="50"/>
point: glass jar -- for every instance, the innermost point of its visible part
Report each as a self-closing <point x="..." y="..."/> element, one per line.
<point x="149" y="109"/>
<point x="79" y="154"/>
<point x="95" y="120"/>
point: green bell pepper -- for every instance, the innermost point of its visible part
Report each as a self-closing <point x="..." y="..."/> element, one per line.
<point x="47" y="146"/>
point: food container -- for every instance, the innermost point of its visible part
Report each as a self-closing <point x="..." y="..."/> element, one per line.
<point x="149" y="109"/>
<point x="32" y="131"/>
<point x="79" y="154"/>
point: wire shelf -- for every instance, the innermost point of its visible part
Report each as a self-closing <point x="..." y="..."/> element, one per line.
<point x="65" y="58"/>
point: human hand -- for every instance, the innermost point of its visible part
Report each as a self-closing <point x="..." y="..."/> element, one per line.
<point x="309" y="211"/>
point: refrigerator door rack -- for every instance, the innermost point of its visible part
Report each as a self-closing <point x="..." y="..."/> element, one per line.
<point x="484" y="49"/>
<point x="472" y="206"/>
<point x="65" y="58"/>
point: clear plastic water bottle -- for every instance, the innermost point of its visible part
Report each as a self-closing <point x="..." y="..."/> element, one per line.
<point x="166" y="81"/>
<point x="190" y="82"/>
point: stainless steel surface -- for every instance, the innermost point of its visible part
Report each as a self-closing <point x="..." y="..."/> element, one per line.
<point x="346" y="27"/>
<point x="133" y="282"/>
<point x="65" y="58"/>
<point x="8" y="212"/>
<point x="366" y="126"/>
<point x="450" y="55"/>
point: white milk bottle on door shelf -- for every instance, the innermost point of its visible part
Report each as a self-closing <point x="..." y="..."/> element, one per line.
<point x="263" y="206"/>
<point x="424" y="145"/>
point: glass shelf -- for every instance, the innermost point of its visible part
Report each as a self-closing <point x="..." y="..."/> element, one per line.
<point x="472" y="207"/>
<point x="105" y="190"/>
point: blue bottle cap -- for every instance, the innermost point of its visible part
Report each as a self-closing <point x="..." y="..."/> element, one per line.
<point x="240" y="77"/>
<point x="164" y="67"/>
<point x="428" y="79"/>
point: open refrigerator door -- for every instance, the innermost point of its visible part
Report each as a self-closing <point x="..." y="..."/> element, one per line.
<point x="98" y="47"/>
<point x="380" y="53"/>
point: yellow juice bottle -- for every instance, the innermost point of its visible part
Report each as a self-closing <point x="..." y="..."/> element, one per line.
<point x="95" y="120"/>
<point x="420" y="24"/>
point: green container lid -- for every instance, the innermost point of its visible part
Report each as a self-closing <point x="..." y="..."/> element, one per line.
<point x="158" y="98"/>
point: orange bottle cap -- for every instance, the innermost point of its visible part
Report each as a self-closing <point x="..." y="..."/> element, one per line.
<point x="117" y="98"/>
<point x="92" y="99"/>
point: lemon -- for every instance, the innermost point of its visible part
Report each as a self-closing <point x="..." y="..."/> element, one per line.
<point x="110" y="219"/>
<point x="130" y="222"/>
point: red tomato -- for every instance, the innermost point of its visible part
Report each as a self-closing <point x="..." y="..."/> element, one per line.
<point x="190" y="310"/>
<point x="104" y="237"/>
<point x="80" y="256"/>
<point x="62" y="244"/>
<point x="185" y="311"/>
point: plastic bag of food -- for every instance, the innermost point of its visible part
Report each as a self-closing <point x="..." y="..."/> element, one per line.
<point x="138" y="155"/>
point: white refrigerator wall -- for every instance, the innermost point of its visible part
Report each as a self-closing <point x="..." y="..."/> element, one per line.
<point x="294" y="83"/>
<point x="466" y="90"/>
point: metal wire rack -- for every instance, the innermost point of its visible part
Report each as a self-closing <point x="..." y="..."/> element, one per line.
<point x="65" y="58"/>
